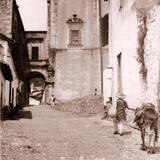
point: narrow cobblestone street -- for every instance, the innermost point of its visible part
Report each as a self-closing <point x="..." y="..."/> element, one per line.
<point x="42" y="133"/>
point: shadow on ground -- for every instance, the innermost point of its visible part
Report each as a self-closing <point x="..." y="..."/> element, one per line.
<point x="127" y="133"/>
<point x="22" y="114"/>
<point x="157" y="150"/>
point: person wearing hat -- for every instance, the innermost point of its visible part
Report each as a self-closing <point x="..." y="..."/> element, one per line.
<point x="120" y="118"/>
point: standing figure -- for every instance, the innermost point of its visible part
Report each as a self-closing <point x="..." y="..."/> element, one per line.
<point x="95" y="92"/>
<point x="120" y="118"/>
<point x="52" y="100"/>
<point x="107" y="107"/>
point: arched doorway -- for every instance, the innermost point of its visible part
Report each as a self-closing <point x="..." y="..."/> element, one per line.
<point x="37" y="82"/>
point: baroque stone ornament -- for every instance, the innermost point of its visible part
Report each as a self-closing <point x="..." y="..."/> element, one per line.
<point x="74" y="19"/>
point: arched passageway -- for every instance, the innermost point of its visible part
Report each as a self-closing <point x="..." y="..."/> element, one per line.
<point x="35" y="74"/>
<point x="37" y="82"/>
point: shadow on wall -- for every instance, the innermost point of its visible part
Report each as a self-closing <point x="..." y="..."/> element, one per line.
<point x="22" y="114"/>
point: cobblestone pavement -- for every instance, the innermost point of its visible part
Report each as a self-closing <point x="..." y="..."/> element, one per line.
<point x="42" y="133"/>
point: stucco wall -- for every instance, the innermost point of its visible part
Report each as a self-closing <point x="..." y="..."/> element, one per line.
<point x="152" y="55"/>
<point x="77" y="69"/>
<point x="7" y="58"/>
<point x="77" y="73"/>
<point x="104" y="7"/>
<point x="124" y="33"/>
<point x="123" y="39"/>
<point x="15" y="81"/>
<point x="2" y="89"/>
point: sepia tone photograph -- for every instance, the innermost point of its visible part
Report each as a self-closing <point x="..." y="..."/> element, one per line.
<point x="80" y="79"/>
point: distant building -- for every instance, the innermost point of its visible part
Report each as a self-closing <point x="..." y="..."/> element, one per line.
<point x="75" y="51"/>
<point x="14" y="60"/>
<point x="38" y="55"/>
<point x="37" y="45"/>
<point x="134" y="47"/>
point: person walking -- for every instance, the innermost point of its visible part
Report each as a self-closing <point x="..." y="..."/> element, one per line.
<point x="121" y="106"/>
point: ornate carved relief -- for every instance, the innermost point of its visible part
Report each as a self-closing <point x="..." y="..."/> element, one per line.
<point x="75" y="24"/>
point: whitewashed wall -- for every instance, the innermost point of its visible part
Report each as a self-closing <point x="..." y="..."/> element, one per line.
<point x="16" y="83"/>
<point x="124" y="38"/>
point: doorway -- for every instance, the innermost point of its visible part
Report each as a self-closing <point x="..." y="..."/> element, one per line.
<point x="119" y="72"/>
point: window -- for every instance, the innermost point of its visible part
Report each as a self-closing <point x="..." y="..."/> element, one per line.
<point x="75" y="37"/>
<point x="104" y="29"/>
<point x="119" y="74"/>
<point x="75" y="24"/>
<point x="35" y="53"/>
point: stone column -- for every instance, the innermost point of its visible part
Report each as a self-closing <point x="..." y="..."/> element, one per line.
<point x="49" y="89"/>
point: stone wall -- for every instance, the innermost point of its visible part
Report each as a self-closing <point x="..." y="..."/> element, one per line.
<point x="37" y="39"/>
<point x="5" y="17"/>
<point x="19" y="49"/>
<point x="15" y="53"/>
<point x="62" y="10"/>
<point x="77" y="73"/>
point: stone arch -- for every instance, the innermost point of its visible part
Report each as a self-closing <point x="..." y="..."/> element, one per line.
<point x="35" y="74"/>
<point x="36" y="81"/>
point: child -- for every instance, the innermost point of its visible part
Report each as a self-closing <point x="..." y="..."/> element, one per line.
<point x="107" y="107"/>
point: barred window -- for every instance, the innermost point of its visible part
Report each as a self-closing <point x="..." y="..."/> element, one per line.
<point x="75" y="37"/>
<point x="75" y="25"/>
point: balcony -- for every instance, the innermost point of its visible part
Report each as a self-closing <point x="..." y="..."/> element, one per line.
<point x="39" y="63"/>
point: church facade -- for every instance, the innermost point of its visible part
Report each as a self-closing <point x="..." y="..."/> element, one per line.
<point x="74" y="48"/>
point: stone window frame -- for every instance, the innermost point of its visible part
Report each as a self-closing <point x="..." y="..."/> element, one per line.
<point x="75" y="37"/>
<point x="75" y="24"/>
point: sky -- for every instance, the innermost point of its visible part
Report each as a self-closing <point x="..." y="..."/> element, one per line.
<point x="33" y="14"/>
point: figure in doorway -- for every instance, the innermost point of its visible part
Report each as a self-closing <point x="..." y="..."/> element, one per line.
<point x="52" y="100"/>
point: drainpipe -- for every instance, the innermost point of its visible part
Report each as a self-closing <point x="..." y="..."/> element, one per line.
<point x="100" y="47"/>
